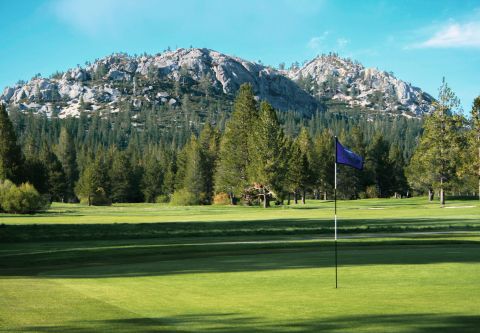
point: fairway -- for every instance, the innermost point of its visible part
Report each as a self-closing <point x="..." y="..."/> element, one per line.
<point x="270" y="281"/>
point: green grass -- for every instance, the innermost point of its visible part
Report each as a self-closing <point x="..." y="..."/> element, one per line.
<point x="246" y="281"/>
<point x="368" y="209"/>
<point x="68" y="222"/>
<point x="150" y="286"/>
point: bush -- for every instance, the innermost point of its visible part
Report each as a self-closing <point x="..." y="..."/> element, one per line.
<point x="100" y="198"/>
<point x="162" y="198"/>
<point x="22" y="199"/>
<point x="221" y="199"/>
<point x="372" y="191"/>
<point x="184" y="198"/>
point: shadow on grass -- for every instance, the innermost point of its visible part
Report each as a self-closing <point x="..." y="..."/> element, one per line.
<point x="111" y="231"/>
<point x="129" y="259"/>
<point x="232" y="322"/>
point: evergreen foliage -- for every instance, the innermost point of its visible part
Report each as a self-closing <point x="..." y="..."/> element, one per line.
<point x="138" y="155"/>
<point x="235" y="148"/>
<point x="436" y="160"/>
<point x="94" y="184"/>
<point x="11" y="158"/>
<point x="268" y="154"/>
<point x="68" y="158"/>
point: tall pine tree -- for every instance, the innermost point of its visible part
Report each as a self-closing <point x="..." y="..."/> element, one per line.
<point x="268" y="163"/>
<point x="437" y="155"/>
<point x="68" y="157"/>
<point x="235" y="151"/>
<point x="11" y="158"/>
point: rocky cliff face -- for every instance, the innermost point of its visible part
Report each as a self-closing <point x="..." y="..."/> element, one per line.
<point x="161" y="79"/>
<point x="332" y="77"/>
<point x="118" y="78"/>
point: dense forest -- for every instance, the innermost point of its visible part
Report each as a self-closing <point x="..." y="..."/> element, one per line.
<point x="252" y="154"/>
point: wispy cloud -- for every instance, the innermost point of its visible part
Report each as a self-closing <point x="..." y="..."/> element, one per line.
<point x="109" y="17"/>
<point x="342" y="42"/>
<point x="453" y="35"/>
<point x="318" y="42"/>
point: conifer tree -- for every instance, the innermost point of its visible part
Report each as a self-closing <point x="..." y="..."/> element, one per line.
<point x="11" y="158"/>
<point x="152" y="181"/>
<point x="441" y="143"/>
<point x="209" y="145"/>
<point x="378" y="165"/>
<point x="194" y="181"/>
<point x="269" y="158"/>
<point x="121" y="174"/>
<point x="475" y="139"/>
<point x="55" y="175"/>
<point x="397" y="174"/>
<point x="93" y="184"/>
<point x="298" y="166"/>
<point x="68" y="157"/>
<point x="305" y="145"/>
<point x="235" y="151"/>
<point x="323" y="160"/>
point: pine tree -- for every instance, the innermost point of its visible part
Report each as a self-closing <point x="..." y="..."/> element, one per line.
<point x="298" y="166"/>
<point x="68" y="157"/>
<point x="194" y="181"/>
<point x="323" y="162"/>
<point x="235" y="151"/>
<point x="209" y="144"/>
<point x="378" y="165"/>
<point x="55" y="175"/>
<point x="397" y="163"/>
<point x="305" y="145"/>
<point x="94" y="184"/>
<point x="475" y="138"/>
<point x="11" y="159"/>
<point x="268" y="163"/>
<point x="120" y="174"/>
<point x="441" y="144"/>
<point x="152" y="181"/>
<point x="469" y="170"/>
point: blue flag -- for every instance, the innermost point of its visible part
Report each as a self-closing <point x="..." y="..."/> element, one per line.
<point x="347" y="157"/>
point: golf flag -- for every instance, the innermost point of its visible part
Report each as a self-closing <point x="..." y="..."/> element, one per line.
<point x="347" y="157"/>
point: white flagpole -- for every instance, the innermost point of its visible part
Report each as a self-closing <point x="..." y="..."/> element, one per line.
<point x="335" y="199"/>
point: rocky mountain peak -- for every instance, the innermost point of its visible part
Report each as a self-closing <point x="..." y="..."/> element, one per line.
<point x="149" y="80"/>
<point x="330" y="76"/>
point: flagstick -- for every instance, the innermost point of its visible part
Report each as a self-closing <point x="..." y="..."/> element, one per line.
<point x="335" y="199"/>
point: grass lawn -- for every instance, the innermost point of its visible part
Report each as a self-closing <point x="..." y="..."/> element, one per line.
<point x="68" y="222"/>
<point x="270" y="282"/>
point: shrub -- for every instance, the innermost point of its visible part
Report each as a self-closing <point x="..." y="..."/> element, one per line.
<point x="221" y="198"/>
<point x="22" y="199"/>
<point x="162" y="198"/>
<point x="184" y="197"/>
<point x="372" y="191"/>
<point x="99" y="198"/>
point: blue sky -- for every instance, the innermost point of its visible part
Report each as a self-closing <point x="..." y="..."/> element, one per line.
<point x="420" y="41"/>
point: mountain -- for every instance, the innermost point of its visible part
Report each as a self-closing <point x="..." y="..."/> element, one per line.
<point x="330" y="77"/>
<point x="155" y="80"/>
<point x="172" y="78"/>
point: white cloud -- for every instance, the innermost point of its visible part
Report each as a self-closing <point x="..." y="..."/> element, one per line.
<point x="92" y="17"/>
<point x="454" y="35"/>
<point x="342" y="42"/>
<point x="317" y="42"/>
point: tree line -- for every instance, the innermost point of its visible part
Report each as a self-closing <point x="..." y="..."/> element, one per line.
<point x="255" y="159"/>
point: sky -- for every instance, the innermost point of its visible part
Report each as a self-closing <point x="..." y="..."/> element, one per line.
<point x="419" y="41"/>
